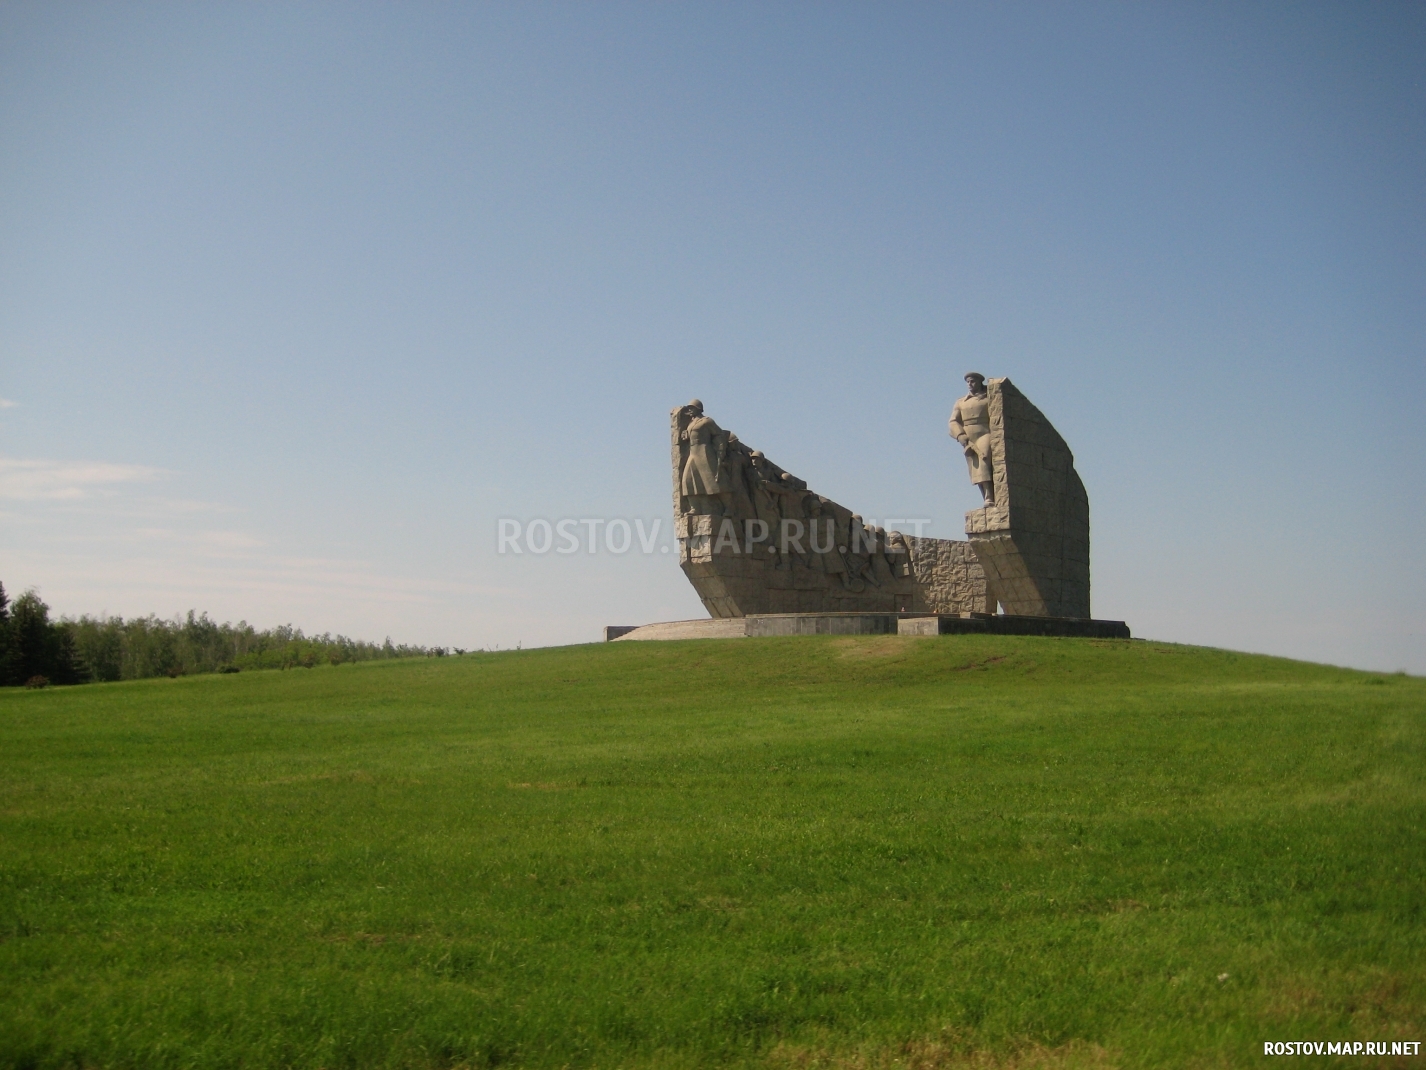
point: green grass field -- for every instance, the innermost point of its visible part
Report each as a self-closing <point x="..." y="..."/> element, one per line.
<point x="812" y="852"/>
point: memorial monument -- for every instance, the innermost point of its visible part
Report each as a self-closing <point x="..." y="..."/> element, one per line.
<point x="757" y="543"/>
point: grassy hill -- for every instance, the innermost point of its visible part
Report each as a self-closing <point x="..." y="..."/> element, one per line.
<point x="813" y="852"/>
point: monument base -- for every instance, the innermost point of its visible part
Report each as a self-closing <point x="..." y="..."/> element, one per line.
<point x="768" y="624"/>
<point x="1013" y="624"/>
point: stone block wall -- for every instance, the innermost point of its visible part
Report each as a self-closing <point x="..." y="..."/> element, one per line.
<point x="949" y="577"/>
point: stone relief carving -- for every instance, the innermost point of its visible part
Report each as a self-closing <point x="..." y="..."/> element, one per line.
<point x="705" y="483"/>
<point x="753" y="538"/>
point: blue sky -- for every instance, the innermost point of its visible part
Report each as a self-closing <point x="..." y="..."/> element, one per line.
<point x="297" y="301"/>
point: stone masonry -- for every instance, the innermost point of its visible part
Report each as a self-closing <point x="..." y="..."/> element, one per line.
<point x="1032" y="543"/>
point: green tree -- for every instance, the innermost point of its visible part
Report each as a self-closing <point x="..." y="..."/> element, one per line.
<point x="66" y="664"/>
<point x="100" y="646"/>
<point x="4" y="637"/>
<point x="37" y="647"/>
<point x="29" y="629"/>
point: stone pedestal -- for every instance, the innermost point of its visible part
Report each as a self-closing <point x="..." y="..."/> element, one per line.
<point x="779" y="624"/>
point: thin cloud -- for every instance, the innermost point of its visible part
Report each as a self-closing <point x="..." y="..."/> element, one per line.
<point x="68" y="480"/>
<point x="6" y="403"/>
<point x="182" y="506"/>
<point x="221" y="541"/>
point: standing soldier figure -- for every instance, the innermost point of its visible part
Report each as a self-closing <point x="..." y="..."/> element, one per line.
<point x="970" y="426"/>
<point x="705" y="481"/>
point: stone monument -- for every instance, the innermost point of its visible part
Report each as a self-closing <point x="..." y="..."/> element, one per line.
<point x="753" y="538"/>
<point x="769" y="556"/>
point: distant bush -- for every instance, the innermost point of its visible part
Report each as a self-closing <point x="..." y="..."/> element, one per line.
<point x="85" y="649"/>
<point x="34" y="683"/>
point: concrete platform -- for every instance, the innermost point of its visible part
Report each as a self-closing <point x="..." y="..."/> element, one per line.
<point x="707" y="628"/>
<point x="768" y="624"/>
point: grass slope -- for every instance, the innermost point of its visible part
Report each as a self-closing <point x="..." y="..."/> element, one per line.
<point x="787" y="852"/>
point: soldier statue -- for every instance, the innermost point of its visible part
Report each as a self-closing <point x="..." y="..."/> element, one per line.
<point x="970" y="426"/>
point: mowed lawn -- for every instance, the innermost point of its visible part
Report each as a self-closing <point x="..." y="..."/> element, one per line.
<point x="841" y="852"/>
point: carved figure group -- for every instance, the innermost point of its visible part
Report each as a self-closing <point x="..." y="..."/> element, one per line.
<point x="723" y="478"/>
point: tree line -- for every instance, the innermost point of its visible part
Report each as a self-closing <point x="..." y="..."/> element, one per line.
<point x="36" y="651"/>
